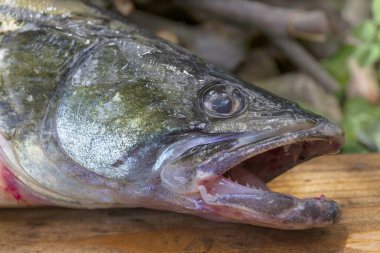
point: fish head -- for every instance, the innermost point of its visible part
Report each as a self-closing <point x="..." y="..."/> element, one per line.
<point x="248" y="137"/>
<point x="227" y="138"/>
<point x="187" y="136"/>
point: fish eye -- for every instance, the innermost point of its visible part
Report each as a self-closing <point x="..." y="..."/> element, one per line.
<point x="222" y="101"/>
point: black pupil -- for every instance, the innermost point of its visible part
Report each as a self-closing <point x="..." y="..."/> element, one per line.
<point x="223" y="101"/>
<point x="222" y="104"/>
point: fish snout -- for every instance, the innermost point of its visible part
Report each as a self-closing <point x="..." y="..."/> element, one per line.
<point x="315" y="212"/>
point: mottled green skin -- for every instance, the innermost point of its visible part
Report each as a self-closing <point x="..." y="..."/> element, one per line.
<point x="95" y="110"/>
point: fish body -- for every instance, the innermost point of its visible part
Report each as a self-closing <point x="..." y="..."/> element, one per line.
<point x="96" y="113"/>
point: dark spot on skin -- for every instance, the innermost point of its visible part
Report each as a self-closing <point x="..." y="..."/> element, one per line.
<point x="331" y="212"/>
<point x="118" y="163"/>
<point x="311" y="210"/>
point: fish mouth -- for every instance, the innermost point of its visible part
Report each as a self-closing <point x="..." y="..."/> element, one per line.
<point x="237" y="190"/>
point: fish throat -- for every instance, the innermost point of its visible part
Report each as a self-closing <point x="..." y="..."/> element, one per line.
<point x="256" y="171"/>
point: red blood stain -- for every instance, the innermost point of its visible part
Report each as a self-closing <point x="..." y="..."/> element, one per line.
<point x="10" y="184"/>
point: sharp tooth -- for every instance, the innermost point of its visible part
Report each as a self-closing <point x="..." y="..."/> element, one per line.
<point x="236" y="181"/>
<point x="229" y="177"/>
<point x="286" y="148"/>
<point x="295" y="156"/>
<point x="247" y="185"/>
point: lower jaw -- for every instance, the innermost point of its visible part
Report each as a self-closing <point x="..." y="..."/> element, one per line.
<point x="241" y="195"/>
<point x="269" y="209"/>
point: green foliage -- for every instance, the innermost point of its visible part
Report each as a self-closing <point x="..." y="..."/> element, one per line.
<point x="367" y="31"/>
<point x="376" y="11"/>
<point x="336" y="65"/>
<point x="368" y="52"/>
<point x="362" y="126"/>
<point x="361" y="119"/>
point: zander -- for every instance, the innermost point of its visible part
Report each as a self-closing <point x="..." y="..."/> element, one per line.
<point x="96" y="113"/>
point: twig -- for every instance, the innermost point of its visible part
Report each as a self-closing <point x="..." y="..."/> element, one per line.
<point x="202" y="40"/>
<point x="309" y="25"/>
<point x="306" y="62"/>
<point x="277" y="24"/>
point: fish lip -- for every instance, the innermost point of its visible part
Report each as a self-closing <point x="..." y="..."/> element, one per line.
<point x="322" y="130"/>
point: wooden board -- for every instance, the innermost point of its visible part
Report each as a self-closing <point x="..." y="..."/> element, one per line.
<point x="352" y="180"/>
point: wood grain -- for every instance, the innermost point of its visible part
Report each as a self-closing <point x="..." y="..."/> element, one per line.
<point x="352" y="180"/>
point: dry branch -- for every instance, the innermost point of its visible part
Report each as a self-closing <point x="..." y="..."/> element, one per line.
<point x="310" y="25"/>
<point x="300" y="57"/>
<point x="278" y="24"/>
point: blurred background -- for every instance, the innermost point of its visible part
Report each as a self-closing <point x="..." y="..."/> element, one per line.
<point x="323" y="54"/>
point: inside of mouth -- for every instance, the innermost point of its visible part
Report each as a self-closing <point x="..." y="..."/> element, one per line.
<point x="252" y="174"/>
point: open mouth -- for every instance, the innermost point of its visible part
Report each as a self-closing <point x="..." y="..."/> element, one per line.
<point x="254" y="172"/>
<point x="241" y="193"/>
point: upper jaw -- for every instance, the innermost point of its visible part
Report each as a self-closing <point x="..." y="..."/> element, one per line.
<point x="176" y="163"/>
<point x="328" y="136"/>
